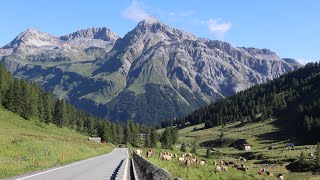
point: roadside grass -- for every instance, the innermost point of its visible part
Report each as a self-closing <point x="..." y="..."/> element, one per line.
<point x="29" y="145"/>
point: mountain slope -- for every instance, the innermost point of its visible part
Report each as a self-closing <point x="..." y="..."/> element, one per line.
<point x="152" y="74"/>
<point x="294" y="98"/>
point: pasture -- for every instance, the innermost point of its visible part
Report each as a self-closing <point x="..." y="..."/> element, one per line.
<point x="260" y="135"/>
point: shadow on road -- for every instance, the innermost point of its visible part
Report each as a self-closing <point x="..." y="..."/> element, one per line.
<point x="115" y="172"/>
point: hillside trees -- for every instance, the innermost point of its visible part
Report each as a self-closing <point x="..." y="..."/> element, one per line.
<point x="30" y="101"/>
<point x="169" y="137"/>
<point x="294" y="96"/>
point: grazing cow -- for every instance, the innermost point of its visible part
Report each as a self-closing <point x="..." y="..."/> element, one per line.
<point x="188" y="162"/>
<point x="224" y="168"/>
<point x="215" y="163"/>
<point x="181" y="159"/>
<point x="280" y="177"/>
<point x="139" y="152"/>
<point x="228" y="163"/>
<point x="243" y="159"/>
<point x="202" y="163"/>
<point x="160" y="156"/>
<point x="194" y="160"/>
<point x="260" y="172"/>
<point x="243" y="168"/>
<point x="150" y="153"/>
<point x="269" y="173"/>
<point x="218" y="168"/>
<point x="222" y="162"/>
<point x="167" y="157"/>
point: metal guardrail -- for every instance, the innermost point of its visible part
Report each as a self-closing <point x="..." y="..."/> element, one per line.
<point x="146" y="170"/>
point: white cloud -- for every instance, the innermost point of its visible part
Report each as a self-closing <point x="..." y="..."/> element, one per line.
<point x="304" y="61"/>
<point x="217" y="27"/>
<point x="136" y="11"/>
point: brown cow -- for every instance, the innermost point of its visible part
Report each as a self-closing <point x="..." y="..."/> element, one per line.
<point x="150" y="152"/>
<point x="188" y="162"/>
<point x="269" y="173"/>
<point x="194" y="160"/>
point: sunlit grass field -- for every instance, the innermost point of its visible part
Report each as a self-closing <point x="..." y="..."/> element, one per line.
<point x="29" y="145"/>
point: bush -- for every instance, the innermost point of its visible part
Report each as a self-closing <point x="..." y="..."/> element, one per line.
<point x="208" y="153"/>
<point x="194" y="150"/>
<point x="183" y="147"/>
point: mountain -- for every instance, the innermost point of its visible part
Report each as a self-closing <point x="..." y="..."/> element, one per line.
<point x="293" y="99"/>
<point x="154" y="73"/>
<point x="35" y="47"/>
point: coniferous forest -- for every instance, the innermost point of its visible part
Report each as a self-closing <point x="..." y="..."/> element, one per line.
<point x="293" y="97"/>
<point x="30" y="101"/>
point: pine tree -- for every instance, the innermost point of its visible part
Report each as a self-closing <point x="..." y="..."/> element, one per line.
<point x="174" y="135"/>
<point x="183" y="147"/>
<point x="8" y="101"/>
<point x="194" y="149"/>
<point x="153" y="138"/>
<point x="208" y="153"/>
<point x="120" y="133"/>
<point x="302" y="157"/>
<point x="17" y="99"/>
<point x="127" y="134"/>
<point x="147" y="142"/>
<point x="221" y="135"/>
<point x="59" y="116"/>
<point x="166" y="139"/>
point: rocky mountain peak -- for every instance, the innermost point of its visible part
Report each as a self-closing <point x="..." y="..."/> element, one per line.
<point x="153" y="30"/>
<point x="31" y="37"/>
<point x="103" y="33"/>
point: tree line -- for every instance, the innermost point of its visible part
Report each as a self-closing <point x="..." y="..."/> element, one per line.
<point x="294" y="96"/>
<point x="30" y="101"/>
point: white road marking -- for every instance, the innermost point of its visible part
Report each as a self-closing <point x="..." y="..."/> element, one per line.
<point x="126" y="168"/>
<point x="61" y="167"/>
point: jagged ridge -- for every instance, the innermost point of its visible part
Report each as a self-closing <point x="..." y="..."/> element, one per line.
<point x="153" y="73"/>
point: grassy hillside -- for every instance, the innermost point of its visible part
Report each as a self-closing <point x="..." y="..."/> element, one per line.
<point x="260" y="135"/>
<point x="39" y="145"/>
<point x="293" y="97"/>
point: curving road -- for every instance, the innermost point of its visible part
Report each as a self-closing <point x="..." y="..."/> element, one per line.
<point x="114" y="165"/>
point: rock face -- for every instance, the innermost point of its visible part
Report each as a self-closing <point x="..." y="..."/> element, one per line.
<point x="153" y="73"/>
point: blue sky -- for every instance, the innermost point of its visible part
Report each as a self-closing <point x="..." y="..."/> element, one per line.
<point x="290" y="28"/>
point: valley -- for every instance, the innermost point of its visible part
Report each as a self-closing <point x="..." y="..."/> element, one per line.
<point x="260" y="136"/>
<point x="159" y="90"/>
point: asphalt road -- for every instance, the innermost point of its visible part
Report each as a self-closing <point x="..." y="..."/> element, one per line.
<point x="114" y="165"/>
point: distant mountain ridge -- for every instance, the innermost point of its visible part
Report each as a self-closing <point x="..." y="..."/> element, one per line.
<point x="154" y="73"/>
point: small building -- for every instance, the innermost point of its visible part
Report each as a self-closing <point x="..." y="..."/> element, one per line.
<point x="290" y="145"/>
<point x="143" y="136"/>
<point x="95" y="139"/>
<point x="246" y="147"/>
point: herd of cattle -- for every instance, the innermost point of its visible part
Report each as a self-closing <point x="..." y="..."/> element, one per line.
<point x="189" y="159"/>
